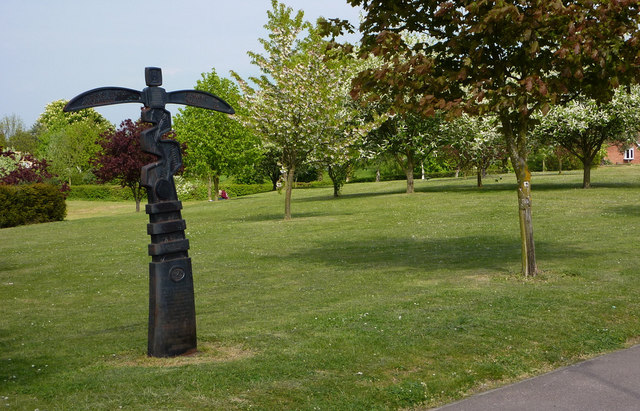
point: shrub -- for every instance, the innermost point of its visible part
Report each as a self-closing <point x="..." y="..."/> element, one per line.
<point x="30" y="204"/>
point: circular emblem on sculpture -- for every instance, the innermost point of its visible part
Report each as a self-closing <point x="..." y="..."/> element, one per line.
<point x="163" y="189"/>
<point x="177" y="274"/>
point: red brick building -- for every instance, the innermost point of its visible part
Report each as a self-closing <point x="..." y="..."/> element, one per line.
<point x="621" y="155"/>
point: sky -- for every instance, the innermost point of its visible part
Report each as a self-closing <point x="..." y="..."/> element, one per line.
<point x="53" y="50"/>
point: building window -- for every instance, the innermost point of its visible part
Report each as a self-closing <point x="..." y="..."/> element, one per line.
<point x="628" y="154"/>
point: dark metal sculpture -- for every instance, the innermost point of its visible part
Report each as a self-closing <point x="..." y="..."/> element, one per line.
<point x="172" y="319"/>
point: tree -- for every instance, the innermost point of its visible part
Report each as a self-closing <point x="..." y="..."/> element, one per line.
<point x="512" y="59"/>
<point x="476" y="141"/>
<point x="582" y="126"/>
<point x="409" y="137"/>
<point x="294" y="106"/>
<point x="53" y="121"/>
<point x="121" y="158"/>
<point x="9" y="127"/>
<point x="216" y="143"/>
<point x="345" y="121"/>
<point x="71" y="149"/>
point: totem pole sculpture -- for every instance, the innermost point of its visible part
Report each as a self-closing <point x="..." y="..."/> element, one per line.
<point x="172" y="318"/>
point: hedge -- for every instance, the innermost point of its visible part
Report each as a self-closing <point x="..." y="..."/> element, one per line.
<point x="31" y="204"/>
<point x="185" y="193"/>
<point x="99" y="192"/>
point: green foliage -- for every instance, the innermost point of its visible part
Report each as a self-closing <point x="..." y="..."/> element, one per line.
<point x="301" y="104"/>
<point x="71" y="150"/>
<point x="53" y="122"/>
<point x="216" y="143"/>
<point x="14" y="135"/>
<point x="30" y="204"/>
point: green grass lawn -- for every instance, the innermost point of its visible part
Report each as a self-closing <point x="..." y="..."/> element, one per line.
<point x="376" y="300"/>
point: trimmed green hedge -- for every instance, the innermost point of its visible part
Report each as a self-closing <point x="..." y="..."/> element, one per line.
<point x="31" y="204"/>
<point x="192" y="192"/>
<point x="100" y="192"/>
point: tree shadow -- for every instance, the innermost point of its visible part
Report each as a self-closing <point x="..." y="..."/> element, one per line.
<point x="347" y="196"/>
<point x="625" y="210"/>
<point x="423" y="254"/>
<point x="280" y="216"/>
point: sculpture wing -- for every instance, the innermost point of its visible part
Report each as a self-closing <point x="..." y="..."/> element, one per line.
<point x="200" y="99"/>
<point x="103" y="96"/>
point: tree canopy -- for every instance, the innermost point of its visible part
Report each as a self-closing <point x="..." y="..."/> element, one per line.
<point x="299" y="104"/>
<point x="512" y="59"/>
<point x="121" y="157"/>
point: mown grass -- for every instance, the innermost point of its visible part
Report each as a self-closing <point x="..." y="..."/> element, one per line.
<point x="376" y="300"/>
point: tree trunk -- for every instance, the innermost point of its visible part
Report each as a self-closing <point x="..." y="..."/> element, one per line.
<point x="422" y="168"/>
<point x="586" y="173"/>
<point x="457" y="171"/>
<point x="408" y="171"/>
<point x="137" y="195"/>
<point x="529" y="266"/>
<point x="216" y="186"/>
<point x="378" y="175"/>
<point x="516" y="145"/>
<point x="410" y="186"/>
<point x="479" y="175"/>
<point x="209" y="187"/>
<point x="287" y="196"/>
<point x="559" y="164"/>
<point x="544" y="163"/>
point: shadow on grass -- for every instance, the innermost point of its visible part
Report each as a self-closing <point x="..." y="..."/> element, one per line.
<point x="347" y="196"/>
<point x="463" y="253"/>
<point x="626" y="210"/>
<point x="280" y="216"/>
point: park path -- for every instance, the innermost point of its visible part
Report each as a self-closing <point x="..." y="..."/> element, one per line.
<point x="610" y="382"/>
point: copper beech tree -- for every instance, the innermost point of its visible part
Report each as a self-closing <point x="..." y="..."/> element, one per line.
<point x="508" y="58"/>
<point x="121" y="157"/>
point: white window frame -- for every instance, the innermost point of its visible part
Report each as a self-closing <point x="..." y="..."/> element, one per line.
<point x="629" y="154"/>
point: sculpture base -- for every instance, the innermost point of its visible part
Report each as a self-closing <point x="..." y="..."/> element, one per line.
<point x="172" y="313"/>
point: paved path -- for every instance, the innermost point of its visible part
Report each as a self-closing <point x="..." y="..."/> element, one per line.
<point x="607" y="383"/>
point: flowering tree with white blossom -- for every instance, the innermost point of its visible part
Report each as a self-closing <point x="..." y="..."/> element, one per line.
<point x="301" y="103"/>
<point x="476" y="140"/>
<point x="583" y="125"/>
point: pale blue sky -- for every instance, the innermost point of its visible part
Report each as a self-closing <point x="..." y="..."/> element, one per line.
<point x="52" y="50"/>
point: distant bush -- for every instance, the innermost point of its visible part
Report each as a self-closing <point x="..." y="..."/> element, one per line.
<point x="30" y="204"/>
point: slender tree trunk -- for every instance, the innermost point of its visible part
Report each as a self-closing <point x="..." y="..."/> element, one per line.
<point x="529" y="266"/>
<point x="378" y="175"/>
<point x="517" y="151"/>
<point x="287" y="196"/>
<point x="216" y="186"/>
<point x="209" y="187"/>
<point x="559" y="164"/>
<point x="422" y="168"/>
<point x="479" y="177"/>
<point x="137" y="195"/>
<point x="544" y="163"/>
<point x="457" y="171"/>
